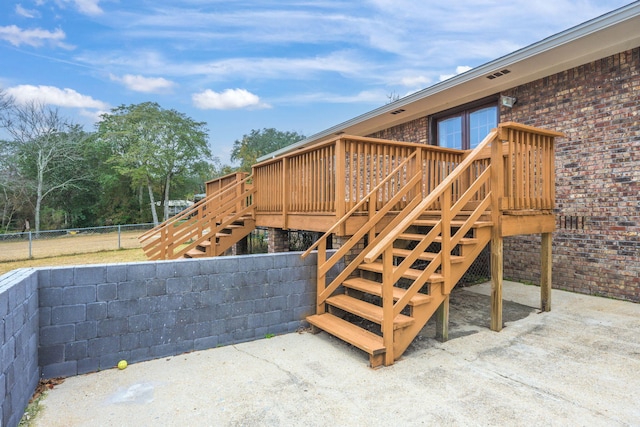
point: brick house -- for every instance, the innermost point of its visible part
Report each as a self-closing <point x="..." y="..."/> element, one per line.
<point x="583" y="82"/>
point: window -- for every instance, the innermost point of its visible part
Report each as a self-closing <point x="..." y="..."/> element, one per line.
<point x="465" y="127"/>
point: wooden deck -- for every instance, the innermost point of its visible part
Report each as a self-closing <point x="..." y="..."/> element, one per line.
<point x="412" y="219"/>
<point x="313" y="188"/>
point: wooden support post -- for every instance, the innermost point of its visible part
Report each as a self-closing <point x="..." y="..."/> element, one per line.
<point x="285" y="194"/>
<point x="545" y="272"/>
<point x="497" y="260"/>
<point x="442" y="321"/>
<point x="239" y="191"/>
<point x="340" y="184"/>
<point x="496" y="283"/>
<point x="445" y="232"/>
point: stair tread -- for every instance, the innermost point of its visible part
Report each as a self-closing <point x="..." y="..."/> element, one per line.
<point x="195" y="253"/>
<point x="411" y="273"/>
<point x="418" y="237"/>
<point x="354" y="335"/>
<point x="367" y="311"/>
<point x="429" y="222"/>
<point x="375" y="288"/>
<point x="425" y="256"/>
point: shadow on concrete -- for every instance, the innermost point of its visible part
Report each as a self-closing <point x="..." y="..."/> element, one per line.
<point x="468" y="314"/>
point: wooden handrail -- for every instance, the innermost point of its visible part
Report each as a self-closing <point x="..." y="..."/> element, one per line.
<point x="206" y="218"/>
<point x="345" y="137"/>
<point x="186" y="213"/>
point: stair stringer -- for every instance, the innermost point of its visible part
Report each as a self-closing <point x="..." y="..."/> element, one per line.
<point x="402" y="338"/>
<point x="237" y="233"/>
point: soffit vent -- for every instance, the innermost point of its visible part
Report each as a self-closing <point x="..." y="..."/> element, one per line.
<point x="498" y="74"/>
<point x="397" y="111"/>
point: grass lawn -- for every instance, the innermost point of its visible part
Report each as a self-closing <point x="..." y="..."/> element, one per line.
<point x="105" y="257"/>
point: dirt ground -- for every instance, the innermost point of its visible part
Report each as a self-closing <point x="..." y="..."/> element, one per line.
<point x="67" y="245"/>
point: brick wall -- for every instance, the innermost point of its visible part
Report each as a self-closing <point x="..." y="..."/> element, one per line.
<point x="413" y="131"/>
<point x="597" y="244"/>
<point x="72" y="320"/>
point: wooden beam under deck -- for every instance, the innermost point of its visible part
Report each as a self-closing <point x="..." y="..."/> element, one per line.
<point x="319" y="221"/>
<point x="513" y="225"/>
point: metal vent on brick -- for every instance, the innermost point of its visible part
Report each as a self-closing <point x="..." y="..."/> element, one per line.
<point x="570" y="222"/>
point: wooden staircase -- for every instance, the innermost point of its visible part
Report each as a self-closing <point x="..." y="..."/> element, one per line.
<point x="412" y="258"/>
<point x="209" y="227"/>
<point x="223" y="239"/>
<point x="356" y="314"/>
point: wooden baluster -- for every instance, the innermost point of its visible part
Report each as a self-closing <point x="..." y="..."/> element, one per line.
<point x="321" y="277"/>
<point x="332" y="174"/>
<point x="539" y="182"/>
<point x="360" y="170"/>
<point x="416" y="168"/>
<point x="387" y="305"/>
<point x="528" y="193"/>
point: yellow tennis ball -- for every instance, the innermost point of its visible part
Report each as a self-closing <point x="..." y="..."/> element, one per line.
<point x="122" y="364"/>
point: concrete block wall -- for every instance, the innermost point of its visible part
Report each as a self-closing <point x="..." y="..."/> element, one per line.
<point x="66" y="321"/>
<point x="19" y="370"/>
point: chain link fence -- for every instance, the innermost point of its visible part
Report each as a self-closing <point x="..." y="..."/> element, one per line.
<point x="43" y="244"/>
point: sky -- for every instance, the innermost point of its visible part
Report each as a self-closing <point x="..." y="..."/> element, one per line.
<point x="238" y="65"/>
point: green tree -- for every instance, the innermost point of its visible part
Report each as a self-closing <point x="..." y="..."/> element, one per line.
<point x="261" y="142"/>
<point x="46" y="150"/>
<point x="153" y="146"/>
<point x="14" y="188"/>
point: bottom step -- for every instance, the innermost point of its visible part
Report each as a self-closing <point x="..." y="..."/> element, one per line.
<point x="354" y="335"/>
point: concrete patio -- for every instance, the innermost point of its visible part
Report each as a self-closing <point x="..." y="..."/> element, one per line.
<point x="576" y="365"/>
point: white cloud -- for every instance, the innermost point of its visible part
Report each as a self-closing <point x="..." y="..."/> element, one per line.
<point x="52" y="95"/>
<point x="140" y="83"/>
<point x="86" y="7"/>
<point x="415" y="81"/>
<point x="27" y="13"/>
<point x="365" y="96"/>
<point x="459" y="70"/>
<point x="34" y="37"/>
<point x="93" y="115"/>
<point x="229" y="99"/>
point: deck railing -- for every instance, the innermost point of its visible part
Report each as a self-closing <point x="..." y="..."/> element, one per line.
<point x="335" y="175"/>
<point x="529" y="168"/>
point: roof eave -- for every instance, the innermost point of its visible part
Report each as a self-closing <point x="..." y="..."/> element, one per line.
<point x="571" y="35"/>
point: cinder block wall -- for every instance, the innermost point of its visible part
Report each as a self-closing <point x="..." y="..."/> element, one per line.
<point x="18" y="343"/>
<point x="66" y="321"/>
